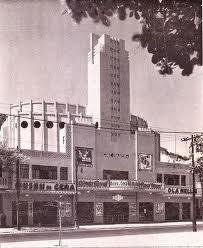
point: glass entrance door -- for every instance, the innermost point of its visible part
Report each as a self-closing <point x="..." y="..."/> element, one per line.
<point x="146" y="211"/>
<point x="186" y="211"/>
<point x="171" y="211"/>
<point x="116" y="212"/>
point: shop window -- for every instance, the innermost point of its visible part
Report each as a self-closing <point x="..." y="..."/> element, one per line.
<point x="44" y="172"/>
<point x="24" y="124"/>
<point x="49" y="124"/>
<point x="171" y="179"/>
<point x="183" y="180"/>
<point x="63" y="173"/>
<point x="37" y="124"/>
<point x="24" y="171"/>
<point x="159" y="178"/>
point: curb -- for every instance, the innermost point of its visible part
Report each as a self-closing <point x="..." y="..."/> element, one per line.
<point x="78" y="230"/>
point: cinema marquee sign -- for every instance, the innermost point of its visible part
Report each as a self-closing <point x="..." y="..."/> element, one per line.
<point x="47" y="186"/>
<point x="178" y="190"/>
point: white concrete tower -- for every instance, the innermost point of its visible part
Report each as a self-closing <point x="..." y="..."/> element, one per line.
<point x="108" y="82"/>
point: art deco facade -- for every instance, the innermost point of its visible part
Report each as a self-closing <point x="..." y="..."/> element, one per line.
<point x="115" y="155"/>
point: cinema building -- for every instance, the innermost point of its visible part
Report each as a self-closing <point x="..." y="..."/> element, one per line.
<point x="103" y="154"/>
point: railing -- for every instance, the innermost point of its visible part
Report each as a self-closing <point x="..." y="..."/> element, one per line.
<point x="3" y="183"/>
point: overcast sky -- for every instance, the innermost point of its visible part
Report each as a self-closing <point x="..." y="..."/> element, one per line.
<point x="43" y="55"/>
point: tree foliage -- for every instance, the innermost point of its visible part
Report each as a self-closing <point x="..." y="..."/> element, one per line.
<point x="171" y="29"/>
<point x="8" y="158"/>
<point x="199" y="163"/>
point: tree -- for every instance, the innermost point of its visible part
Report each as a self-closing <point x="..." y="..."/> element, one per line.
<point x="171" y="29"/>
<point x="10" y="160"/>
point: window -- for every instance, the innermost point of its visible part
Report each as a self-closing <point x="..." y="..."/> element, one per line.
<point x="159" y="178"/>
<point x="24" y="171"/>
<point x="44" y="172"/>
<point x="24" y="124"/>
<point x="1" y="168"/>
<point x="63" y="173"/>
<point x="61" y="125"/>
<point x="37" y="124"/>
<point x="183" y="180"/>
<point x="171" y="179"/>
<point x="49" y="124"/>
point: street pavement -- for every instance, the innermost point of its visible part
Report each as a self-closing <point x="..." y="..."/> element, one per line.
<point x="123" y="235"/>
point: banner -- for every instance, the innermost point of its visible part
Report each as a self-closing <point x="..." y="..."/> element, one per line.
<point x="99" y="209"/>
<point x="145" y="161"/>
<point x="84" y="156"/>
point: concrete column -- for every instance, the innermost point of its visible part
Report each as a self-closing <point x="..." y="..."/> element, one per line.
<point x="30" y="213"/>
<point x="58" y="173"/>
<point x="57" y="127"/>
<point x="180" y="211"/>
<point x="31" y="126"/>
<point x="133" y="212"/>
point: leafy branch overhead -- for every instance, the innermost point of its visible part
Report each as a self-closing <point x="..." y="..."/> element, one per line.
<point x="8" y="158"/>
<point x="171" y="29"/>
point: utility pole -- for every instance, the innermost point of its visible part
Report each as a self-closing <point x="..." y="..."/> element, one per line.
<point x="76" y="192"/>
<point x="18" y="194"/>
<point x="60" y="215"/>
<point x="194" y="224"/>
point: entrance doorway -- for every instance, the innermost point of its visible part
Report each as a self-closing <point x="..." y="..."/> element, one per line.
<point x="171" y="211"/>
<point x="146" y="211"/>
<point x="45" y="213"/>
<point x="116" y="212"/>
<point x="186" y="211"/>
<point x="85" y="213"/>
<point x="23" y="213"/>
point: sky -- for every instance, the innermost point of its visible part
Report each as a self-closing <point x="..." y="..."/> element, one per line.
<point x="44" y="56"/>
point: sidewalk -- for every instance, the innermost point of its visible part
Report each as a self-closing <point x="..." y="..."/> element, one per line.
<point x="95" y="227"/>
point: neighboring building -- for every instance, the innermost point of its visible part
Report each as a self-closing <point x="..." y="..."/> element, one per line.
<point x="115" y="154"/>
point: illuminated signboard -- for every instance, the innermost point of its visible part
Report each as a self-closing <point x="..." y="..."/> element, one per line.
<point x="177" y="190"/>
<point x="145" y="161"/>
<point x="47" y="186"/>
<point x="84" y="156"/>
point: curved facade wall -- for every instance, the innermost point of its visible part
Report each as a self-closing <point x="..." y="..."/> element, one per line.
<point x="40" y="125"/>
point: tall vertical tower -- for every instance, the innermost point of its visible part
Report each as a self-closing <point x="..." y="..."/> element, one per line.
<point x="108" y="83"/>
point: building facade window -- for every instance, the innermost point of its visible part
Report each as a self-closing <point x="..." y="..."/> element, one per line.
<point x="183" y="180"/>
<point x="24" y="124"/>
<point x="1" y="168"/>
<point x="37" y="124"/>
<point x="49" y="124"/>
<point x="159" y="178"/>
<point x="44" y="172"/>
<point x="171" y="179"/>
<point x="24" y="171"/>
<point x="63" y="173"/>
